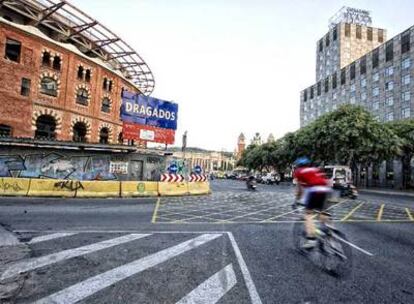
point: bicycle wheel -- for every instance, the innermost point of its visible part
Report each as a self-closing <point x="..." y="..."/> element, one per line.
<point x="337" y="255"/>
<point x="299" y="236"/>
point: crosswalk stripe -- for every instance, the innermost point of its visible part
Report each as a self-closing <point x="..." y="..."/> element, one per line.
<point x="49" y="237"/>
<point x="81" y="290"/>
<point x="35" y="263"/>
<point x="213" y="289"/>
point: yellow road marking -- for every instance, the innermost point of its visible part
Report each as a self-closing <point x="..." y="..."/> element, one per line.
<point x="381" y="210"/>
<point x="409" y="214"/>
<point x="154" y="215"/>
<point x="352" y="212"/>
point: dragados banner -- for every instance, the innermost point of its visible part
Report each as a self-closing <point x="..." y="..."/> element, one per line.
<point x="145" y="110"/>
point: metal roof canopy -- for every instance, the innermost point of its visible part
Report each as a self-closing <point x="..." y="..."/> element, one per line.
<point x="76" y="26"/>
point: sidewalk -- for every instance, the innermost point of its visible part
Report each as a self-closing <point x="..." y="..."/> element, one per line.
<point x="386" y="192"/>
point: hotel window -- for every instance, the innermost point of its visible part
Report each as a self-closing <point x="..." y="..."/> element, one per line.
<point x="80" y="72"/>
<point x="375" y="91"/>
<point x="352" y="71"/>
<point x="352" y="87"/>
<point x="327" y="41"/>
<point x="389" y="116"/>
<point x="13" y="50"/>
<point x="405" y="42"/>
<point x="363" y="96"/>
<point x="347" y="30"/>
<point x="305" y="95"/>
<point x="335" y="33"/>
<point x="106" y="105"/>
<point x="406" y="63"/>
<point x="375" y="105"/>
<point x="311" y="93"/>
<point x="375" y="77"/>
<point x="321" y="45"/>
<point x="363" y="65"/>
<point x="405" y="96"/>
<point x="363" y="82"/>
<point x="406" y="79"/>
<point x="380" y="36"/>
<point x="358" y="32"/>
<point x="389" y="71"/>
<point x="343" y="76"/>
<point x="352" y="100"/>
<point x="334" y="96"/>
<point x="375" y="58"/>
<point x="389" y="101"/>
<point x="25" y="87"/>
<point x="405" y="113"/>
<point x="334" y="84"/>
<point x="318" y="88"/>
<point x="369" y="34"/>
<point x="326" y="85"/>
<point x="389" y="86"/>
<point x="389" y="51"/>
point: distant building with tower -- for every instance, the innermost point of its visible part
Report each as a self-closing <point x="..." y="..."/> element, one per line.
<point x="241" y="145"/>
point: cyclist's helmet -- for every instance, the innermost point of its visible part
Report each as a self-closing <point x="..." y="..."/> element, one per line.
<point x="302" y="161"/>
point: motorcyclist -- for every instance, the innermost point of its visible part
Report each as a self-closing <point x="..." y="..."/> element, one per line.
<point x="251" y="182"/>
<point x="312" y="187"/>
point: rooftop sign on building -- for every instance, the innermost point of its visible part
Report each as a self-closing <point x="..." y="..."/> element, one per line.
<point x="351" y="15"/>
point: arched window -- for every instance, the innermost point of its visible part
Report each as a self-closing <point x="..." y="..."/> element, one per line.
<point x="5" y="131"/>
<point x="48" y="86"/>
<point x="80" y="72"/>
<point x="106" y="105"/>
<point x="79" y="132"/>
<point x="57" y="63"/>
<point x="46" y="59"/>
<point x="88" y="75"/>
<point x="82" y="96"/>
<point x="120" y="138"/>
<point x="104" y="136"/>
<point x="45" y="127"/>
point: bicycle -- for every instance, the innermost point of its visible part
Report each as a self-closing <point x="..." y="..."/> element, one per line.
<point x="332" y="249"/>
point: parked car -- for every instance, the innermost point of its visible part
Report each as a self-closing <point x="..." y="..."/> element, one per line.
<point x="269" y="179"/>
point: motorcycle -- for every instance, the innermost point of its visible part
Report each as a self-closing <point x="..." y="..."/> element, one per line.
<point x="349" y="190"/>
<point x="251" y="183"/>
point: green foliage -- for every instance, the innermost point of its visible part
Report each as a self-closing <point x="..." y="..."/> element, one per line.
<point x="348" y="136"/>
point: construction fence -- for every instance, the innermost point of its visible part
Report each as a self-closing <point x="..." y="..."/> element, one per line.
<point x="33" y="187"/>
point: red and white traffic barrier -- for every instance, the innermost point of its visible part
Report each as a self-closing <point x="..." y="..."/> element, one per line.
<point x="172" y="178"/>
<point x="197" y="178"/>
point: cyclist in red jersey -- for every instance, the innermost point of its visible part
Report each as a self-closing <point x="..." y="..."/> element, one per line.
<point x="312" y="187"/>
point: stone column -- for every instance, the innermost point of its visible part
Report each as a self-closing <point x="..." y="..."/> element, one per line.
<point x="382" y="174"/>
<point x="398" y="178"/>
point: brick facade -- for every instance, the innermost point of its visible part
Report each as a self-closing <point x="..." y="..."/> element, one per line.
<point x="21" y="112"/>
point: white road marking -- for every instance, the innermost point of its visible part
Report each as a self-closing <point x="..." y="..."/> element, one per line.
<point x="213" y="289"/>
<point x="35" y="263"/>
<point x="81" y="290"/>
<point x="354" y="246"/>
<point x="7" y="238"/>
<point x="49" y="237"/>
<point x="254" y="295"/>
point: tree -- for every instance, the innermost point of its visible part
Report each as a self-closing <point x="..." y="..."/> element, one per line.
<point x="404" y="129"/>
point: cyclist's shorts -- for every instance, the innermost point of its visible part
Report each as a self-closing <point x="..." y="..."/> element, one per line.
<point x="315" y="197"/>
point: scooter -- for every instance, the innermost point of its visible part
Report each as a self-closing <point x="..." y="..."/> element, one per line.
<point x="251" y="184"/>
<point x="350" y="191"/>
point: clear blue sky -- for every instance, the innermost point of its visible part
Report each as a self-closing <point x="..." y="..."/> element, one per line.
<point x="233" y="66"/>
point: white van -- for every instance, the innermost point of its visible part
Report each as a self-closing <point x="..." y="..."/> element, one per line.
<point x="339" y="176"/>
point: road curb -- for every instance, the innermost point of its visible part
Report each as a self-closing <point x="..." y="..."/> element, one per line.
<point x="367" y="191"/>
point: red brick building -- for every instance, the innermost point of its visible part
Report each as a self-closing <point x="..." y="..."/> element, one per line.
<point x="58" y="80"/>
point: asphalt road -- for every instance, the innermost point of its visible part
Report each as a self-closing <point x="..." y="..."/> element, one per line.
<point x="233" y="246"/>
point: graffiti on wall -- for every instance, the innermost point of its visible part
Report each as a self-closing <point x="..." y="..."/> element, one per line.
<point x="57" y="166"/>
